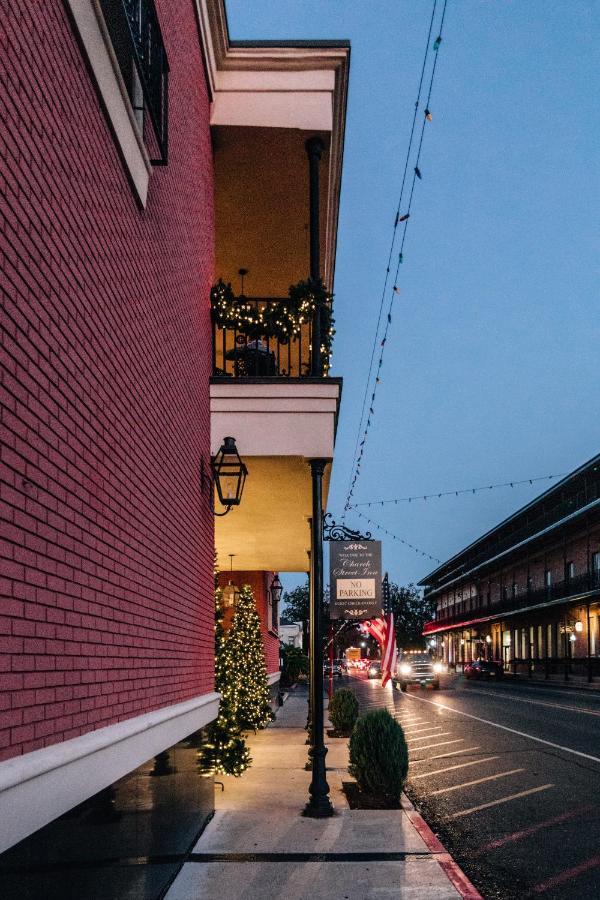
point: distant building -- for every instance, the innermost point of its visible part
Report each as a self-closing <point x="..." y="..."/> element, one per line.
<point x="528" y="591"/>
<point x="291" y="634"/>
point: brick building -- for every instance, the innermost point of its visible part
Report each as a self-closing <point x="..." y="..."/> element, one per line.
<point x="143" y="154"/>
<point x="527" y="592"/>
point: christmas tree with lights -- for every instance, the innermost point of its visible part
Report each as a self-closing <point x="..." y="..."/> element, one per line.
<point x="244" y="672"/>
<point x="225" y="752"/>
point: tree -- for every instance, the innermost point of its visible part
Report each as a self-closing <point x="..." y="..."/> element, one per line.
<point x="244" y="679"/>
<point x="411" y="611"/>
<point x="225" y="752"/>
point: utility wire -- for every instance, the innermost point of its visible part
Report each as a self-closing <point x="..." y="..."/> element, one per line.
<point x="395" y="537"/>
<point x="473" y="490"/>
<point x="392" y="245"/>
<point x="405" y="218"/>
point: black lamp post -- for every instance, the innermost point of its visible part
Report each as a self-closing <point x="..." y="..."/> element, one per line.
<point x="319" y="805"/>
<point x="229" y="474"/>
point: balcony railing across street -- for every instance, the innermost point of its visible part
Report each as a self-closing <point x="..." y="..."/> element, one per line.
<point x="570" y="587"/>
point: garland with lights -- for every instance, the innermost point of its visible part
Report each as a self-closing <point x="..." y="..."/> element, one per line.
<point x="282" y="320"/>
<point x="225" y="752"/>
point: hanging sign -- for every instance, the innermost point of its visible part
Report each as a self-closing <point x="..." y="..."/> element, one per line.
<point x="355" y="579"/>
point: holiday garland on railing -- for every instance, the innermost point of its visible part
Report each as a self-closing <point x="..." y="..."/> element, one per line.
<point x="282" y="320"/>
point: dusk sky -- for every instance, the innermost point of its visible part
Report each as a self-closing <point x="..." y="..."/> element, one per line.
<point x="491" y="370"/>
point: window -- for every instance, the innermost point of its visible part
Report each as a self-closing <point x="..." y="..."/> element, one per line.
<point x="569" y="571"/>
<point x="514" y="589"/>
<point x="137" y="42"/>
<point x="529" y="584"/>
<point x="548" y="579"/>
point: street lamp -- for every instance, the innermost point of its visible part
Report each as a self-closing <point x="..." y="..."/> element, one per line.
<point x="229" y="474"/>
<point x="276" y="590"/>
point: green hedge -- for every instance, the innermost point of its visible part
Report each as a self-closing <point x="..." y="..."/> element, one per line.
<point x="379" y="756"/>
<point x="343" y="711"/>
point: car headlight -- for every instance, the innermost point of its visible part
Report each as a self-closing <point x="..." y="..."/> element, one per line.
<point x="438" y="667"/>
<point x="405" y="669"/>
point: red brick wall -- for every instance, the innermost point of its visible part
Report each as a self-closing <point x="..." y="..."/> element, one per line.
<point x="260" y="583"/>
<point x="107" y="540"/>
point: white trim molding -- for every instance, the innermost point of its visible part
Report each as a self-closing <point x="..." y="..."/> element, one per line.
<point x="88" y="21"/>
<point x="273" y="678"/>
<point x="40" y="786"/>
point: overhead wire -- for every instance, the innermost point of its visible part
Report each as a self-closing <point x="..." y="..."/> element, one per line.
<point x="404" y="218"/>
<point x="392" y="245"/>
<point x="455" y="493"/>
<point x="395" y="537"/>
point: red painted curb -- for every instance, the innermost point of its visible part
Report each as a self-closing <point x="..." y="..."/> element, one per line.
<point x="453" y="871"/>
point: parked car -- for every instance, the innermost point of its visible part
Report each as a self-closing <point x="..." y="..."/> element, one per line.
<point x="334" y="668"/>
<point x="417" y="668"/>
<point x="374" y="670"/>
<point x="484" y="668"/>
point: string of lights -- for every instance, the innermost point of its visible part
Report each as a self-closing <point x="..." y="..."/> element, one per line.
<point x="400" y="218"/>
<point x="395" y="537"/>
<point x="455" y="493"/>
<point x="391" y="252"/>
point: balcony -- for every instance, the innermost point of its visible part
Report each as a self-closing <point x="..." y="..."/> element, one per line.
<point x="272" y="337"/>
<point x="571" y="588"/>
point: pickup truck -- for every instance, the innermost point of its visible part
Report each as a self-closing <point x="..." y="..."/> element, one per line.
<point x="416" y="668"/>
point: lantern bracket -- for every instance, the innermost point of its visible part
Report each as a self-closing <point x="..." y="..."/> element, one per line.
<point x="334" y="532"/>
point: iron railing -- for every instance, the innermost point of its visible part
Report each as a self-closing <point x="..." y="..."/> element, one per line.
<point x="136" y="37"/>
<point x="561" y="590"/>
<point x="254" y="352"/>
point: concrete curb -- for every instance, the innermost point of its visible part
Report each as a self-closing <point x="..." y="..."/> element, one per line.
<point x="451" y="868"/>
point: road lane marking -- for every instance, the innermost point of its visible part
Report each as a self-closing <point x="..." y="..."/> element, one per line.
<point x="473" y="809"/>
<point x="444" y="755"/>
<point x="427" y="737"/>
<point x="581" y="709"/>
<point x="531" y="829"/>
<point x="457" y="787"/>
<point x="567" y="874"/>
<point x="530" y="737"/>
<point x="474" y="762"/>
<point x="418" y="728"/>
<point x="441" y="743"/>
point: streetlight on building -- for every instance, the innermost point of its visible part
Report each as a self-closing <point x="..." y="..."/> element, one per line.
<point x="229" y="475"/>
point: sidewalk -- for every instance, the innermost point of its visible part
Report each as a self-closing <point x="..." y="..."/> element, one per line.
<point x="259" y="847"/>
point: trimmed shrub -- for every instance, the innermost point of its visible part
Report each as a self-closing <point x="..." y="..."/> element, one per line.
<point x="343" y="711"/>
<point x="379" y="756"/>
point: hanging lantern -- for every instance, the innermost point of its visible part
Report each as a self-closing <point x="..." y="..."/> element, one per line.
<point x="229" y="473"/>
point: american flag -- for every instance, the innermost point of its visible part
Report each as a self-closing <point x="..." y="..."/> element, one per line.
<point x="383" y="631"/>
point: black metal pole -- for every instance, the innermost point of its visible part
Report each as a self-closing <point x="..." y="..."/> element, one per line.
<point x="314" y="149"/>
<point x="319" y="806"/>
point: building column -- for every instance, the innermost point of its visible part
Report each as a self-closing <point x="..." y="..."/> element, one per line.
<point x="314" y="149"/>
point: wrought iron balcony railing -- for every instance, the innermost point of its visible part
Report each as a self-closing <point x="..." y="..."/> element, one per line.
<point x="251" y="350"/>
<point x="136" y="37"/>
<point x="561" y="590"/>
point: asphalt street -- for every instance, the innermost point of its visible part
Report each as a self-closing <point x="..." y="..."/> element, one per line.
<point x="509" y="776"/>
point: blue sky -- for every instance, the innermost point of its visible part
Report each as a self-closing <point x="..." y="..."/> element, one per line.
<point x="492" y="365"/>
